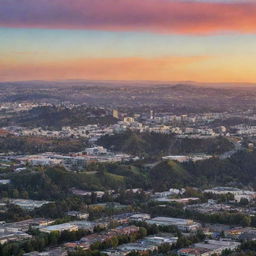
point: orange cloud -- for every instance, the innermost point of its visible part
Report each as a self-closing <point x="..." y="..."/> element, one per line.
<point x="107" y="69"/>
<point x="196" y="68"/>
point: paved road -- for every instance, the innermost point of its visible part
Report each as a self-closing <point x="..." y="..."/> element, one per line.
<point x="237" y="147"/>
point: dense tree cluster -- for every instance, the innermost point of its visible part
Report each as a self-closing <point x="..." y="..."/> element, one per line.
<point x="177" y="211"/>
<point x="34" y="145"/>
<point x="56" y="117"/>
<point x="239" y="170"/>
<point x="56" y="183"/>
<point x="157" y="144"/>
<point x="39" y="242"/>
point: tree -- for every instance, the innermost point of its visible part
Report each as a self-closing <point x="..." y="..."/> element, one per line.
<point x="246" y="221"/>
<point x="142" y="232"/>
<point x="244" y="201"/>
<point x="164" y="248"/>
<point x="15" y="193"/>
<point x="54" y="237"/>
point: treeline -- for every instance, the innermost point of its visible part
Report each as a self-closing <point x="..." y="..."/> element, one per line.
<point x="58" y="209"/>
<point x="56" y="117"/>
<point x="156" y="144"/>
<point x="39" y="242"/>
<point x="177" y="211"/>
<point x="35" y="144"/>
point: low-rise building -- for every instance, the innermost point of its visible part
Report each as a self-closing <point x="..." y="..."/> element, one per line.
<point x="170" y="192"/>
<point x="218" y="246"/>
<point x="5" y="182"/>
<point x="60" y="251"/>
<point x="70" y="226"/>
<point x="12" y="235"/>
<point x="26" y="224"/>
<point x="209" y="247"/>
<point x="137" y="247"/>
<point x="28" y="205"/>
<point x="96" y="150"/>
<point x="185" y="200"/>
<point x="161" y="239"/>
<point x="185" y="225"/>
<point x="78" y="215"/>
<point x="194" y="252"/>
<point x="240" y="233"/>
<point x="210" y="207"/>
<point x="186" y="158"/>
<point x="59" y="228"/>
<point x="139" y="217"/>
<point x="238" y="193"/>
<point x="146" y="245"/>
<point x="87" y="241"/>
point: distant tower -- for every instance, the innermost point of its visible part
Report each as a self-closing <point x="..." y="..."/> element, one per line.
<point x="115" y="113"/>
<point x="151" y="114"/>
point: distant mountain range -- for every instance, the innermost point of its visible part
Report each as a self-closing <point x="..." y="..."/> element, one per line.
<point x="117" y="83"/>
<point x="188" y="96"/>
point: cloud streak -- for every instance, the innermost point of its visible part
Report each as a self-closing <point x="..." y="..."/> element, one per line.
<point x="158" y="16"/>
<point x="102" y="68"/>
<point x="173" y="68"/>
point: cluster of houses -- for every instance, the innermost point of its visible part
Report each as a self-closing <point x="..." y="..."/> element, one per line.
<point x="86" y="242"/>
<point x="236" y="192"/>
<point x="182" y="125"/>
<point x="58" y="251"/>
<point x="17" y="231"/>
<point x="125" y="224"/>
<point x="148" y="244"/>
<point x="209" y="247"/>
<point x="75" y="161"/>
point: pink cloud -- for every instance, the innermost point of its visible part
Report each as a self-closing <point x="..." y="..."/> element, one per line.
<point x="160" y="16"/>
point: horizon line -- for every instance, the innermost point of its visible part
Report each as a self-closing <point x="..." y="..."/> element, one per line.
<point x="187" y="82"/>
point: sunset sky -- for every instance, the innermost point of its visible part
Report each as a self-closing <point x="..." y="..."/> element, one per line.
<point x="164" y="40"/>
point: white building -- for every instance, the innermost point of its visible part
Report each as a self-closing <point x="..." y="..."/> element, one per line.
<point x="186" y="225"/>
<point x="96" y="150"/>
<point x="238" y="193"/>
<point x="140" y="217"/>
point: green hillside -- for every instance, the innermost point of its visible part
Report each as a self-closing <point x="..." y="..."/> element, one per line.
<point x="156" y="144"/>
